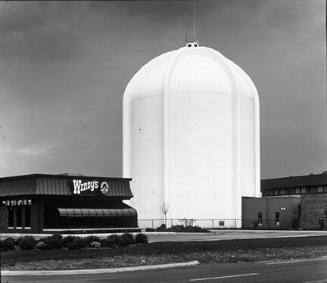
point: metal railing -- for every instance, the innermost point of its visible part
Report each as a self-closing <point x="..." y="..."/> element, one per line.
<point x="204" y="223"/>
<point x="222" y="223"/>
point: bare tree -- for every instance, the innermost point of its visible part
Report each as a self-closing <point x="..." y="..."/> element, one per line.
<point x="164" y="209"/>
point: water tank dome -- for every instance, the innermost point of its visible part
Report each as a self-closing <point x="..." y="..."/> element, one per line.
<point x="198" y="150"/>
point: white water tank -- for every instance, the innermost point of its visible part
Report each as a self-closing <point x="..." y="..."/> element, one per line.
<point x="191" y="136"/>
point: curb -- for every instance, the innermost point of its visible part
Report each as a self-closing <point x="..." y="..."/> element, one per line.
<point x="97" y="271"/>
<point x="177" y="233"/>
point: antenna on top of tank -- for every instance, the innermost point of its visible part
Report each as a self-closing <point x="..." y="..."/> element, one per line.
<point x="194" y="21"/>
<point x="186" y="37"/>
<point x="194" y="42"/>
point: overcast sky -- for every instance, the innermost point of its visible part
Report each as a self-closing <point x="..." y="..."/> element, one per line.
<point x="64" y="67"/>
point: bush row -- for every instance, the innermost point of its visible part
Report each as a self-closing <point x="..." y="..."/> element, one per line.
<point x="177" y="228"/>
<point x="56" y="241"/>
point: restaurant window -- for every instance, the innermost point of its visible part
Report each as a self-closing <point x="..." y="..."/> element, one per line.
<point x="19" y="212"/>
<point x="10" y="217"/>
<point x="303" y="190"/>
<point x="320" y="190"/>
<point x="28" y="216"/>
<point x="297" y="190"/>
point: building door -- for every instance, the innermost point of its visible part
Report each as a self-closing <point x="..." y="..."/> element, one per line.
<point x="260" y="218"/>
<point x="277" y="219"/>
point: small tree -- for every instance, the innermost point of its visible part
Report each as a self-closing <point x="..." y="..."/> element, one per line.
<point x="164" y="209"/>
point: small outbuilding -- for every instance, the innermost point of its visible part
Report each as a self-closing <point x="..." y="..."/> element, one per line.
<point x="46" y="203"/>
<point x="280" y="212"/>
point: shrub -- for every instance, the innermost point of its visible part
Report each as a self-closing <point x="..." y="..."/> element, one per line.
<point x="150" y="229"/>
<point x="40" y="245"/>
<point x="162" y="228"/>
<point x="52" y="242"/>
<point x="108" y="242"/>
<point x="95" y="245"/>
<point x="187" y="229"/>
<point x="7" y="244"/>
<point x="127" y="239"/>
<point x="56" y="240"/>
<point x="141" y="238"/>
<point x="67" y="240"/>
<point x="27" y="243"/>
<point x="88" y="240"/>
<point x="115" y="238"/>
<point x="177" y="228"/>
<point x="76" y="243"/>
<point x="195" y="229"/>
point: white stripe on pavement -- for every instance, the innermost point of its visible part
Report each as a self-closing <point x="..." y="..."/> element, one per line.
<point x="223" y="277"/>
<point x="317" y="281"/>
<point x="297" y="260"/>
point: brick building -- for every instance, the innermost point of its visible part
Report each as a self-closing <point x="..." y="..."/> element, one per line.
<point x="289" y="202"/>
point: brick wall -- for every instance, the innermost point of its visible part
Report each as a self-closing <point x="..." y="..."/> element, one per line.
<point x="312" y="208"/>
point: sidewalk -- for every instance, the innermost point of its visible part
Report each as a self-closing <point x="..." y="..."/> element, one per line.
<point x="214" y="235"/>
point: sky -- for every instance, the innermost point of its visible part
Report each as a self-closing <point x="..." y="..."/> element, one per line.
<point x="64" y="67"/>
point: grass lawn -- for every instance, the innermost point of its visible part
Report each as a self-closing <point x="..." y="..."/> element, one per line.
<point x="246" y="250"/>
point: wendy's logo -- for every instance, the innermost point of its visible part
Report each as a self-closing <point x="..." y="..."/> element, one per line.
<point x="104" y="187"/>
<point x="86" y="187"/>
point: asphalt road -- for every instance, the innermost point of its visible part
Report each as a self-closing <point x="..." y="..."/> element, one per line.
<point x="297" y="271"/>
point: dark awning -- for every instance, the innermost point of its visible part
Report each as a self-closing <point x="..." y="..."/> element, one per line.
<point x="96" y="212"/>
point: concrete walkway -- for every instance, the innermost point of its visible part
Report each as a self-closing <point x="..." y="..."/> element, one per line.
<point x="214" y="235"/>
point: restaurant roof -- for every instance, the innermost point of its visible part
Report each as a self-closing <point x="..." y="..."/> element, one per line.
<point x="63" y="185"/>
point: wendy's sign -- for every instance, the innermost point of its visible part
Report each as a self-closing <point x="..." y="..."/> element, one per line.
<point x="81" y="187"/>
